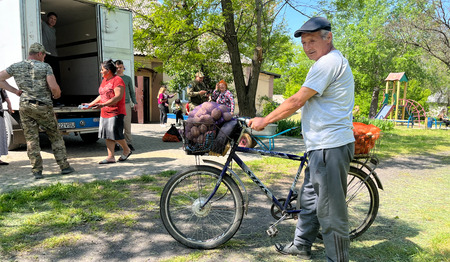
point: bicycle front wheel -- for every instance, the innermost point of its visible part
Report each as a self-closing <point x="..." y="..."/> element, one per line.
<point x="362" y="202"/>
<point x="193" y="225"/>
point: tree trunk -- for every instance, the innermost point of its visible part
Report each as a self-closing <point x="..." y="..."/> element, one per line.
<point x="246" y="94"/>
<point x="374" y="104"/>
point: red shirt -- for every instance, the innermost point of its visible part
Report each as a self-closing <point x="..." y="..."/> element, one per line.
<point x="106" y="91"/>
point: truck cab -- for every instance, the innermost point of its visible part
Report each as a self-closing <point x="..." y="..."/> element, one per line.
<point x="87" y="33"/>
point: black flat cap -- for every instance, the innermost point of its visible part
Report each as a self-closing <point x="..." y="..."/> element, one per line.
<point x="312" y="25"/>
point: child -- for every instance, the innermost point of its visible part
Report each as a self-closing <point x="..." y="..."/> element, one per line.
<point x="177" y="109"/>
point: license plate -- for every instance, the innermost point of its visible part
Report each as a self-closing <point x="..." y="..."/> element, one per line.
<point x="66" y="125"/>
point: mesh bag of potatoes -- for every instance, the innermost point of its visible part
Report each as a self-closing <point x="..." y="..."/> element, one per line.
<point x="208" y="129"/>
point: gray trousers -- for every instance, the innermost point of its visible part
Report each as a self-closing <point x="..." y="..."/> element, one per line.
<point x="322" y="201"/>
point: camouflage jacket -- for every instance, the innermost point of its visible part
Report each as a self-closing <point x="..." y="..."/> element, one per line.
<point x="193" y="91"/>
<point x="31" y="78"/>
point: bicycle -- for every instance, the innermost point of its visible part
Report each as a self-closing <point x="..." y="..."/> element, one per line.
<point x="203" y="206"/>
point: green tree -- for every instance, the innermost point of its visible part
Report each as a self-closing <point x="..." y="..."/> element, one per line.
<point x="221" y="38"/>
<point x="425" y="24"/>
<point x="360" y="34"/>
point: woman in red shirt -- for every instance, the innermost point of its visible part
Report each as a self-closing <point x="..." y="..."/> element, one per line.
<point x="112" y="103"/>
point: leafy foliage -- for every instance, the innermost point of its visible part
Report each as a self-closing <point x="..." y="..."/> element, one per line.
<point x="219" y="38"/>
<point x="286" y="124"/>
<point x="269" y="105"/>
<point x="384" y="125"/>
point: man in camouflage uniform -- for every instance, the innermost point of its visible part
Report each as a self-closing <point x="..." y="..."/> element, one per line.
<point x="38" y="84"/>
<point x="197" y="91"/>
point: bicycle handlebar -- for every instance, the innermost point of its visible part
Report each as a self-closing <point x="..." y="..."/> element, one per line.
<point x="243" y="120"/>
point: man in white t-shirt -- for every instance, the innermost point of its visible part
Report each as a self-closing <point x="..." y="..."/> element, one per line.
<point x="327" y="99"/>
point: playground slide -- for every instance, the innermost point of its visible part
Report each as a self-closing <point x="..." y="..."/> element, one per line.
<point x="384" y="111"/>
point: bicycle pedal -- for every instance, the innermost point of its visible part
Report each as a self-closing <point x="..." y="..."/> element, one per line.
<point x="272" y="231"/>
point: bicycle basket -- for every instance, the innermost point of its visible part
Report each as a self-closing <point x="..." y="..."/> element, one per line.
<point x="198" y="138"/>
<point x="366" y="144"/>
<point x="201" y="138"/>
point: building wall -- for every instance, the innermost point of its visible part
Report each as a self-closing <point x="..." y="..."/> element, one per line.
<point x="146" y="67"/>
<point x="265" y="88"/>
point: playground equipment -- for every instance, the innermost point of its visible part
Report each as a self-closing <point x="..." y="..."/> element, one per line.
<point x="402" y="110"/>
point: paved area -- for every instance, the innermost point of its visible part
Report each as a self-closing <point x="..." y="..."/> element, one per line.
<point x="151" y="157"/>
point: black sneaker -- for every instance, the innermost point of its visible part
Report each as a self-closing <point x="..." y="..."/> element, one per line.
<point x="131" y="147"/>
<point x="67" y="170"/>
<point x="301" y="251"/>
<point x="38" y="175"/>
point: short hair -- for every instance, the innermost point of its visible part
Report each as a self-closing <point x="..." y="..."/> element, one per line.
<point x="177" y="101"/>
<point x="223" y="82"/>
<point x="109" y="65"/>
<point x="119" y="62"/>
<point x="324" y="33"/>
<point x="52" y="13"/>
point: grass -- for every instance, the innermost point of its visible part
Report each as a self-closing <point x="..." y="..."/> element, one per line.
<point x="409" y="142"/>
<point x="45" y="216"/>
<point x="413" y="223"/>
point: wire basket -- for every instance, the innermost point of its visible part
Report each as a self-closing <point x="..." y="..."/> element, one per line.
<point x="198" y="138"/>
<point x="366" y="145"/>
<point x="201" y="138"/>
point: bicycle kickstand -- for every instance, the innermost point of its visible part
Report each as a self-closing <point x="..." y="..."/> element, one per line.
<point x="273" y="231"/>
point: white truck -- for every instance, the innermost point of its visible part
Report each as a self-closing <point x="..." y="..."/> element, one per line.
<point x="87" y="34"/>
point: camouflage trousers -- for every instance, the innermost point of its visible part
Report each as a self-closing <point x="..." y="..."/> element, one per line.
<point x="33" y="118"/>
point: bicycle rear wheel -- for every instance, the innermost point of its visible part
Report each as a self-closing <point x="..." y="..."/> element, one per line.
<point x="362" y="202"/>
<point x="197" y="227"/>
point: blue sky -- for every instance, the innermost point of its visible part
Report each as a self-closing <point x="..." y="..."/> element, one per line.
<point x="294" y="19"/>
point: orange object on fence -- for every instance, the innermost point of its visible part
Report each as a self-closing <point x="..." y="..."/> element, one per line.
<point x="365" y="137"/>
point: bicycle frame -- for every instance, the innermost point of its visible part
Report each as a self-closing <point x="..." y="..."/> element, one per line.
<point x="234" y="157"/>
<point x="360" y="163"/>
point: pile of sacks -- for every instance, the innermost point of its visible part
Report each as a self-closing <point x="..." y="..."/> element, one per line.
<point x="365" y="137"/>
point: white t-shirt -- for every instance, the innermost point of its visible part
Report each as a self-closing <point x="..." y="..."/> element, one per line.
<point x="327" y="116"/>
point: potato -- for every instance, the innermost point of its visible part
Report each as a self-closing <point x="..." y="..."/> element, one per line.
<point x="194" y="132"/>
<point x="224" y="108"/>
<point x="208" y="106"/>
<point x="200" y="112"/>
<point x="227" y="116"/>
<point x="201" y="139"/>
<point x="203" y="128"/>
<point x="196" y="120"/>
<point x="216" y="114"/>
<point x="206" y="119"/>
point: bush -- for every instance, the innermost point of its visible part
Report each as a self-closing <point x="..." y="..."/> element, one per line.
<point x="287" y="124"/>
<point x="269" y="105"/>
<point x="384" y="125"/>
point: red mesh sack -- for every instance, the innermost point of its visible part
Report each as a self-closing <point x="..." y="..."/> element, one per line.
<point x="365" y="137"/>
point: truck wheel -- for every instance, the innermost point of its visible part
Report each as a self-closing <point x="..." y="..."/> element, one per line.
<point x="9" y="134"/>
<point x="89" y="138"/>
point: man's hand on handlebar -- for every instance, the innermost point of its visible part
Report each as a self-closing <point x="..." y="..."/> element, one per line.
<point x="257" y="123"/>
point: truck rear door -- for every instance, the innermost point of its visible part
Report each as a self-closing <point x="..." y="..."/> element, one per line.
<point x="116" y="36"/>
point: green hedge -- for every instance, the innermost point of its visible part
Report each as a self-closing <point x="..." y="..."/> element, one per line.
<point x="384" y="125"/>
<point x="287" y="124"/>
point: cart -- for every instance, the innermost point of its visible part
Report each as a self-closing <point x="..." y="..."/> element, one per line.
<point x="252" y="138"/>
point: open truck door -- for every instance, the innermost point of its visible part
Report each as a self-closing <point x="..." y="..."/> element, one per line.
<point x="116" y="36"/>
